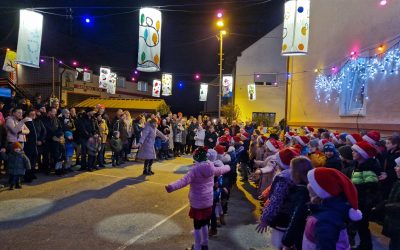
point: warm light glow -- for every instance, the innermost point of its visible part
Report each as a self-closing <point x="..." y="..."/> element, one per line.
<point x="275" y="83"/>
<point x="257" y="76"/>
<point x="8" y="49"/>
<point x="383" y="2"/>
<point x="380" y="48"/>
<point x="223" y="32"/>
<point x="316" y="70"/>
<point x="220" y="23"/>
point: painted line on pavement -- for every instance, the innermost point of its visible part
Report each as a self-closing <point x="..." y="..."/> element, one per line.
<point x="136" y="238"/>
<point x="129" y="178"/>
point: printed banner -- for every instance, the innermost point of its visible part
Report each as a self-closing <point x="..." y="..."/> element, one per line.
<point x="251" y="91"/>
<point x="87" y="77"/>
<point x="203" y="92"/>
<point x="9" y="62"/>
<point x="227" y="86"/>
<point x="166" y="84"/>
<point x="296" y="28"/>
<point x="112" y="83"/>
<point x="104" y="77"/>
<point x="29" y="38"/>
<point x="156" y="88"/>
<point x="149" y="40"/>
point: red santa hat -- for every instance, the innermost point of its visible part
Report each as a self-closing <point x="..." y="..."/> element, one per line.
<point x="329" y="182"/>
<point x="284" y="157"/>
<point x="365" y="149"/>
<point x="236" y="139"/>
<point x="220" y="149"/>
<point x="303" y="140"/>
<point x="354" y="138"/>
<point x="372" y="137"/>
<point x="309" y="129"/>
<point x="223" y="139"/>
<point x="289" y="135"/>
<point x="244" y="136"/>
<point x="272" y="145"/>
<point x="227" y="130"/>
<point x="321" y="143"/>
<point x="335" y="137"/>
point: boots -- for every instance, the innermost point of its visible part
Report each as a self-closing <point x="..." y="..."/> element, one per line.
<point x="222" y="220"/>
<point x="146" y="169"/>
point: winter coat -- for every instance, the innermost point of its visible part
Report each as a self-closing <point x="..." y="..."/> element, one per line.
<point x="191" y="131"/>
<point x="31" y="139"/>
<point x="53" y="127"/>
<point x="17" y="163"/>
<point x="103" y="129"/>
<point x="389" y="166"/>
<point x="391" y="224"/>
<point x="147" y="150"/>
<point x="116" y="144"/>
<point x="277" y="212"/>
<point x="334" y="162"/>
<point x="199" y="138"/>
<point x="317" y="159"/>
<point x="85" y="127"/>
<point x="213" y="137"/>
<point x="348" y="168"/>
<point x="201" y="180"/>
<point x="120" y="126"/>
<point x="16" y="130"/>
<point x="137" y="130"/>
<point x="92" y="148"/>
<point x="326" y="227"/>
<point x="234" y="130"/>
<point x="67" y="124"/>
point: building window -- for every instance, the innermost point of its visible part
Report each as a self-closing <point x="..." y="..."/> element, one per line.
<point x="267" y="118"/>
<point x="354" y="94"/>
<point x="142" y="86"/>
<point x="265" y="79"/>
<point x="121" y="82"/>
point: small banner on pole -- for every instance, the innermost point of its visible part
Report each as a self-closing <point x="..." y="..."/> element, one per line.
<point x="156" y="88"/>
<point x="251" y="91"/>
<point x="9" y="61"/>
<point x="227" y="86"/>
<point x="203" y="92"/>
<point x="296" y="28"/>
<point x="104" y="77"/>
<point x="29" y="38"/>
<point x="112" y="83"/>
<point x="149" y="40"/>
<point x="166" y="84"/>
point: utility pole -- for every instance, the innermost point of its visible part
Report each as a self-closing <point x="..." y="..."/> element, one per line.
<point x="220" y="72"/>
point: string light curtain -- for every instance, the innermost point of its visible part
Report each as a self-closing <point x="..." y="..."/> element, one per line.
<point x="156" y="88"/>
<point x="149" y="40"/>
<point x="29" y="38"/>
<point x="227" y="86"/>
<point x="251" y="91"/>
<point x="296" y="28"/>
<point x="166" y="80"/>
<point x="203" y="92"/>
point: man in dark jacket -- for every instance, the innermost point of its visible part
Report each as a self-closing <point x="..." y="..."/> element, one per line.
<point x="211" y="137"/>
<point x="35" y="139"/>
<point x="234" y="129"/>
<point x="52" y="125"/>
<point x="86" y="128"/>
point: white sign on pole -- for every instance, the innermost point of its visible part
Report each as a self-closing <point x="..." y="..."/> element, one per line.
<point x="166" y="84"/>
<point x="251" y="91"/>
<point x="203" y="92"/>
<point x="227" y="85"/>
<point x="156" y="88"/>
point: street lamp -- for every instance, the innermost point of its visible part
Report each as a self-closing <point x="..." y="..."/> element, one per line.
<point x="222" y="33"/>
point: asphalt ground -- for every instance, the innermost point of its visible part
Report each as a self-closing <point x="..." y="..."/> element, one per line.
<point x="119" y="208"/>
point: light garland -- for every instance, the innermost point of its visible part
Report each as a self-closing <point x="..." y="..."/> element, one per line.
<point x="366" y="68"/>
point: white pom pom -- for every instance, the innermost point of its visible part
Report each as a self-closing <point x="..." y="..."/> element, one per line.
<point x="355" y="215"/>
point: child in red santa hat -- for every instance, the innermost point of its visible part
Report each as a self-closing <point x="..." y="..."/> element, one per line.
<point x="333" y="199"/>
<point x="301" y="143"/>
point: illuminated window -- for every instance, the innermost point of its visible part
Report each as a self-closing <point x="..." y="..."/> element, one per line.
<point x="142" y="86"/>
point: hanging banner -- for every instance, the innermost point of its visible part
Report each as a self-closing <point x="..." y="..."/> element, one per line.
<point x="203" y="92"/>
<point x="156" y="88"/>
<point x="227" y="86"/>
<point x="296" y="28"/>
<point x="29" y="38"/>
<point x="87" y="77"/>
<point x="251" y="91"/>
<point x="9" y="61"/>
<point x="112" y="83"/>
<point x="149" y="40"/>
<point x="104" y="77"/>
<point x="166" y="80"/>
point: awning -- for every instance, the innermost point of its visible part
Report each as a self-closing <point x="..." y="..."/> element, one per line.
<point x="130" y="104"/>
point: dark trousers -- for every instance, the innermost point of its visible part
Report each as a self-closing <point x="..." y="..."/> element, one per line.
<point x="115" y="158"/>
<point x="100" y="155"/>
<point x="213" y="216"/>
<point x="46" y="160"/>
<point x="147" y="165"/>
<point x="363" y="230"/>
<point x="15" y="180"/>
<point x="394" y="243"/>
<point x="91" y="162"/>
<point x="32" y="156"/>
<point x="224" y="201"/>
<point x="84" y="155"/>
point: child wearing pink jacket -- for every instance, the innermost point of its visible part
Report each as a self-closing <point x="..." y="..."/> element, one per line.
<point x="201" y="180"/>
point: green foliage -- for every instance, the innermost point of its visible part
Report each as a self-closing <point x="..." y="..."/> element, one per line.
<point x="230" y="112"/>
<point x="164" y="109"/>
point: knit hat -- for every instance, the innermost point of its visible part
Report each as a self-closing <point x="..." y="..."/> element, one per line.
<point x="212" y="155"/>
<point x="343" y="136"/>
<point x="329" y="147"/>
<point x="365" y="149"/>
<point x="372" y="137"/>
<point x="346" y="152"/>
<point x="220" y="149"/>
<point x="314" y="143"/>
<point x="303" y="140"/>
<point x="67" y="134"/>
<point x="354" y="138"/>
<point x="289" y="135"/>
<point x="397" y="161"/>
<point x="200" y="154"/>
<point x="321" y="143"/>
<point x="284" y="157"/>
<point x="329" y="182"/>
<point x="16" y="145"/>
<point x="272" y="145"/>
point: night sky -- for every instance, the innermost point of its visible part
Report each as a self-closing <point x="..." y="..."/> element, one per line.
<point x="188" y="45"/>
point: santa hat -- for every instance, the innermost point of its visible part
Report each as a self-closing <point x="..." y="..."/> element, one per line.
<point x="309" y="129"/>
<point x="335" y="137"/>
<point x="329" y="182"/>
<point x="354" y="138"/>
<point x="223" y="139"/>
<point x="284" y="157"/>
<point x="372" y="137"/>
<point x="272" y="145"/>
<point x="212" y="155"/>
<point x="227" y="130"/>
<point x="262" y="139"/>
<point x="321" y="143"/>
<point x="397" y="161"/>
<point x="365" y="149"/>
<point x="236" y="139"/>
<point x="220" y="149"/>
<point x="244" y="136"/>
<point x="289" y="135"/>
<point x="303" y="140"/>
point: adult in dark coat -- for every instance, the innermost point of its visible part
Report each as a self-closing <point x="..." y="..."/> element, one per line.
<point x="234" y="129"/>
<point x="147" y="151"/>
<point x="66" y="121"/>
<point x="52" y="125"/>
<point x="86" y="128"/>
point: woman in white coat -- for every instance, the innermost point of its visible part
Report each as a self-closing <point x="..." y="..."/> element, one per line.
<point x="199" y="137"/>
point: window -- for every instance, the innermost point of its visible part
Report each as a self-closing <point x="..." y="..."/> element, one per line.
<point x="267" y="118"/>
<point x="142" y="86"/>
<point x="354" y="93"/>
<point x="121" y="82"/>
<point x="265" y="79"/>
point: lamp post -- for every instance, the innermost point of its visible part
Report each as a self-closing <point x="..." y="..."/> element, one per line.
<point x="220" y="25"/>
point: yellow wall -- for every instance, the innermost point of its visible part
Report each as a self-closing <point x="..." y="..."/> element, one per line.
<point x="336" y="28"/>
